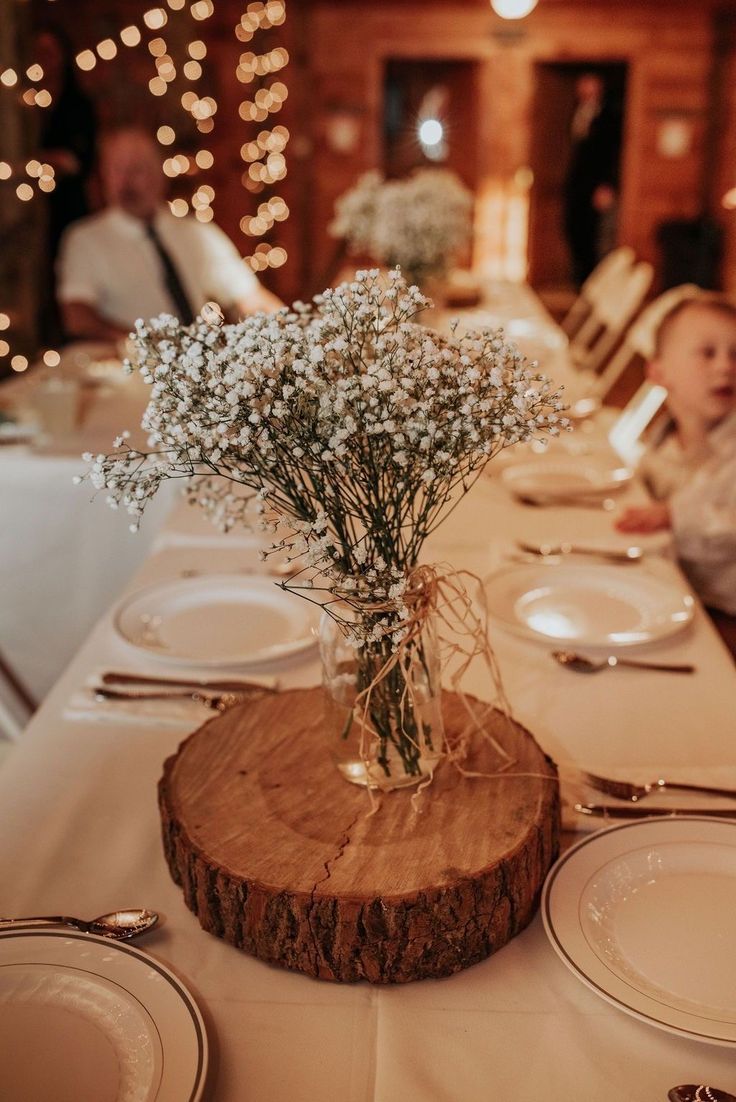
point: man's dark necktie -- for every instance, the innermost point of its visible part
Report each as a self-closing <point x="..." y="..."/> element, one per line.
<point x="171" y="278"/>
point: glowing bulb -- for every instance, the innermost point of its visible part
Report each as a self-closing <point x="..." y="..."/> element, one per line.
<point x="155" y="19"/>
<point x="86" y="60"/>
<point x="513" y="9"/>
<point x="130" y="36"/>
<point x="431" y="132"/>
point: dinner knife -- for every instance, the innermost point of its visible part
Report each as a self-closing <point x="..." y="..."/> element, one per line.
<point x="627" y="811"/>
<point x="220" y="686"/>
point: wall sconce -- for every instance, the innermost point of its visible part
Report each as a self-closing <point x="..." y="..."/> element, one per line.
<point x="513" y="9"/>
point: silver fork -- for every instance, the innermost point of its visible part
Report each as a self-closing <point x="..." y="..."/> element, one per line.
<point x="219" y="702"/>
<point x="625" y="790"/>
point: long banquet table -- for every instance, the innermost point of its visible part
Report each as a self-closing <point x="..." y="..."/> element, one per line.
<point x="80" y="834"/>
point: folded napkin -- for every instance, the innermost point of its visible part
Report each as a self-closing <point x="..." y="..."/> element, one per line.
<point x="174" y="711"/>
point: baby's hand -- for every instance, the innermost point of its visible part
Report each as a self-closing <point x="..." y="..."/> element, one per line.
<point x="645" y="518"/>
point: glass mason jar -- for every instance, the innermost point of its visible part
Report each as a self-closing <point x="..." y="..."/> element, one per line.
<point x="391" y="736"/>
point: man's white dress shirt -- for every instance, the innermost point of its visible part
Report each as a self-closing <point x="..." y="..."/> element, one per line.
<point x="701" y="491"/>
<point x="108" y="262"/>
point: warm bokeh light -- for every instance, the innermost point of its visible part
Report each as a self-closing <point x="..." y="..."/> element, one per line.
<point x="179" y="207"/>
<point x="202" y="9"/>
<point x="51" y="358"/>
<point x="33" y="168"/>
<point x="204" y="159"/>
<point x="19" y="363"/>
<point x="197" y="50"/>
<point x="729" y="199"/>
<point x="4" y="348"/>
<point x="24" y="192"/>
<point x="192" y="70"/>
<point x="155" y="19"/>
<point x="157" y="47"/>
<point x="9" y="78"/>
<point x="43" y="98"/>
<point x="4" y="321"/>
<point x="107" y="49"/>
<point x="165" y="135"/>
<point x="157" y="86"/>
<point x="5" y="170"/>
<point x="34" y="72"/>
<point x="130" y="36"/>
<point x="86" y="60"/>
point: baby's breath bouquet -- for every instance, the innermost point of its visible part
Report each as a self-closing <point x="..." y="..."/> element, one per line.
<point x="353" y="430"/>
<point x="418" y="222"/>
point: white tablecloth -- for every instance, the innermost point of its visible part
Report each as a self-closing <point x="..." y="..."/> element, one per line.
<point x="62" y="560"/>
<point x="79" y="833"/>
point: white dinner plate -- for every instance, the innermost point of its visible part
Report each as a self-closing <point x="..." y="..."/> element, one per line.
<point x="217" y="620"/>
<point x="87" y="1019"/>
<point x="645" y="914"/>
<point x="568" y="477"/>
<point x="593" y="605"/>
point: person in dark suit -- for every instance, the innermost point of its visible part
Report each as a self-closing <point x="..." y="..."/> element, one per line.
<point x="592" y="176"/>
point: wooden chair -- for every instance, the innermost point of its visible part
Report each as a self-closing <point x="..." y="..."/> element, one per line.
<point x="16" y="703"/>
<point x="610" y="317"/>
<point x="608" y="271"/>
<point x="639" y="338"/>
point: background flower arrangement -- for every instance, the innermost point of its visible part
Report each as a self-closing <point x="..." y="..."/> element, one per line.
<point x="355" y="429"/>
<point x="419" y="222"/>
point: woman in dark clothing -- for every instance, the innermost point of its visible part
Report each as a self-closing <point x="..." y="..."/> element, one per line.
<point x="67" y="143"/>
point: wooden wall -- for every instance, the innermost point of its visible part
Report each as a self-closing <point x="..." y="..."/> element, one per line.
<point x="681" y="67"/>
<point x="669" y="50"/>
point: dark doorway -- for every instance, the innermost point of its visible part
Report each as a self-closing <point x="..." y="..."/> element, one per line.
<point x="554" y="107"/>
<point x="430" y="92"/>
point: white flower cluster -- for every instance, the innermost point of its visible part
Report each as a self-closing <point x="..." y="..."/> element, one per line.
<point x="418" y="222"/>
<point x="352" y="428"/>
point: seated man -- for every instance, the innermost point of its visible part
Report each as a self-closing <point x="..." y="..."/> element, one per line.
<point x="136" y="260"/>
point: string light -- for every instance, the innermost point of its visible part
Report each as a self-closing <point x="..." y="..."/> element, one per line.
<point x="130" y="36"/>
<point x="264" y="154"/>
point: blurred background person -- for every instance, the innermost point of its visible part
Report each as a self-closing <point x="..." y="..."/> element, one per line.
<point x="592" y="176"/>
<point x="66" y="142"/>
<point x="135" y="259"/>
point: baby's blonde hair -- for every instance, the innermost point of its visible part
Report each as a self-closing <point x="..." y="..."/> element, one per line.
<point x="709" y="300"/>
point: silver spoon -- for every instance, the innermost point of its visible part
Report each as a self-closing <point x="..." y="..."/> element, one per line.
<point x="586" y="665"/>
<point x="117" y="925"/>
<point x="690" y="1092"/>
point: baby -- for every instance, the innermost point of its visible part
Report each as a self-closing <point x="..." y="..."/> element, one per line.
<point x="691" y="471"/>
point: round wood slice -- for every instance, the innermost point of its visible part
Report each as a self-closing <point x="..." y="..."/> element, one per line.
<point x="280" y="856"/>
